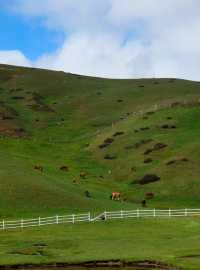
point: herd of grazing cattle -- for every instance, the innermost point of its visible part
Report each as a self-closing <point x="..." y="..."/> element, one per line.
<point x="115" y="196"/>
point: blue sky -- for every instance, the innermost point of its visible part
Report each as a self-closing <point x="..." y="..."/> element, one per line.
<point x="27" y="36"/>
<point x="141" y="38"/>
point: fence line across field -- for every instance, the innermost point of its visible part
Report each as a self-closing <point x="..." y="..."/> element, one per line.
<point x="106" y="215"/>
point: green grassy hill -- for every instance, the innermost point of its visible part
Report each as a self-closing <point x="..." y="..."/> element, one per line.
<point x="96" y="135"/>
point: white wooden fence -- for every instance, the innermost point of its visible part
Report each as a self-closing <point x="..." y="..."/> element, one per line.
<point x="107" y="215"/>
<point x="23" y="223"/>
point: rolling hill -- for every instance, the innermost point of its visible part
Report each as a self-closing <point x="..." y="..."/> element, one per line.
<point x="67" y="141"/>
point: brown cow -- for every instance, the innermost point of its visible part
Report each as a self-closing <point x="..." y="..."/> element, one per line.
<point x="116" y="196"/>
<point x="149" y="195"/>
<point x="39" y="168"/>
<point x="83" y="175"/>
<point x="64" y="168"/>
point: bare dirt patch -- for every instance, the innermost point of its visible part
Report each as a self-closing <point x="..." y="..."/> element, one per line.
<point x="110" y="157"/>
<point x="148" y="178"/>
<point x="156" y="147"/>
<point x="177" y="161"/>
<point x="36" y="102"/>
<point x="106" y="143"/>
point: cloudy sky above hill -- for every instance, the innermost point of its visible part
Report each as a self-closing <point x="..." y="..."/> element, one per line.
<point x="108" y="38"/>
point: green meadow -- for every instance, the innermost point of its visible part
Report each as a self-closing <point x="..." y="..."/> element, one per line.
<point x="172" y="241"/>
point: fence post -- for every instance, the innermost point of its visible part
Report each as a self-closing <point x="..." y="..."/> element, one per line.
<point x="186" y="212"/>
<point x="154" y="212"/>
<point x="169" y="212"/>
<point x="22" y="225"/>
<point x="121" y="213"/>
<point x="89" y="217"/>
<point x="105" y="215"/>
<point x="39" y="221"/>
<point x="138" y="213"/>
<point x="57" y="220"/>
<point x="3" y="224"/>
<point x="73" y="219"/>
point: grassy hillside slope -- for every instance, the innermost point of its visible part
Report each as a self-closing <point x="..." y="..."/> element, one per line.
<point x="97" y="135"/>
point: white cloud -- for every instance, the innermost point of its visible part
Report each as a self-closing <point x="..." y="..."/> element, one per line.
<point x="103" y="56"/>
<point x="68" y="15"/>
<point x="84" y="15"/>
<point x="152" y="9"/>
<point x="14" y="58"/>
<point x="134" y="39"/>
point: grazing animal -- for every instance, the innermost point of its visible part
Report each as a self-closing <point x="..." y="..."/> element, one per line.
<point x="64" y="168"/>
<point x="102" y="217"/>
<point x="133" y="169"/>
<point x="83" y="175"/>
<point x="87" y="194"/>
<point x="149" y="195"/>
<point x="110" y="157"/>
<point x="143" y="203"/>
<point x="116" y="196"/>
<point x="75" y="181"/>
<point x="148" y="160"/>
<point x="39" y="168"/>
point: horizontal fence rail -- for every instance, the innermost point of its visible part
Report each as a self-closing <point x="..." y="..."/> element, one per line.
<point x="23" y="223"/>
<point x="106" y="215"/>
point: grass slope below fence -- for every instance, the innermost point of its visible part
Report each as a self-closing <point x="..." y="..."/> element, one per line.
<point x="172" y="241"/>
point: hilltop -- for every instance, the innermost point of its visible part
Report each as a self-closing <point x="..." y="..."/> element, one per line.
<point x="67" y="141"/>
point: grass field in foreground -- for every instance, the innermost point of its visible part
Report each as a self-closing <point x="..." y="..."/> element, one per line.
<point x="174" y="241"/>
